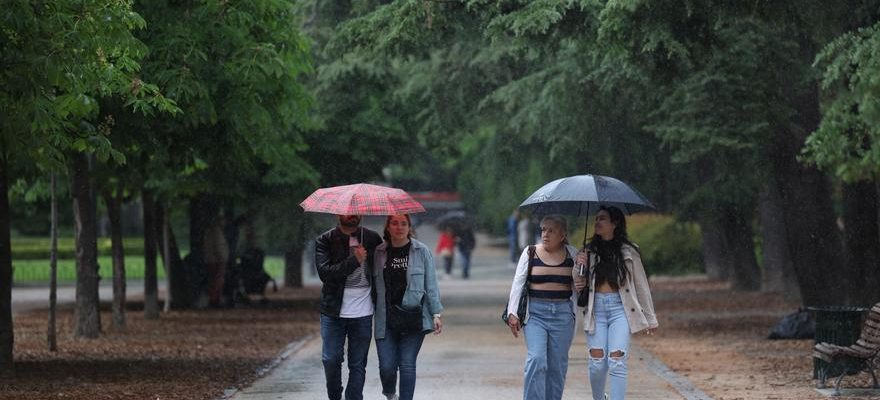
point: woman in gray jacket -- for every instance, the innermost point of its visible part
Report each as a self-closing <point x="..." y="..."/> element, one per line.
<point x="619" y="301"/>
<point x="405" y="279"/>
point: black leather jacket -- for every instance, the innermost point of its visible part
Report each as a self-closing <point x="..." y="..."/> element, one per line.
<point x="335" y="265"/>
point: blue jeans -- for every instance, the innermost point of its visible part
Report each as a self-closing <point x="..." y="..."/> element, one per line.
<point x="398" y="353"/>
<point x="548" y="332"/>
<point x="334" y="330"/>
<point x="465" y="263"/>
<point x="611" y="336"/>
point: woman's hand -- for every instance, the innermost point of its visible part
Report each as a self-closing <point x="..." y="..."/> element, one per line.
<point x="514" y="324"/>
<point x="581" y="258"/>
<point x="650" y="331"/>
<point x="438" y="325"/>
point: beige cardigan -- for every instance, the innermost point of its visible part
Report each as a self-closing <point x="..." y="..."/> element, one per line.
<point x="635" y="294"/>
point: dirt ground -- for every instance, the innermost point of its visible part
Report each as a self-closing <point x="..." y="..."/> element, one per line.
<point x="183" y="355"/>
<point x="717" y="339"/>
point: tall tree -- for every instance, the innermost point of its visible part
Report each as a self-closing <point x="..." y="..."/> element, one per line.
<point x="846" y="142"/>
<point x="58" y="58"/>
<point x="244" y="107"/>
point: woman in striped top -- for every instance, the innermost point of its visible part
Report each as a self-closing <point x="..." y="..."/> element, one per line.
<point x="549" y="320"/>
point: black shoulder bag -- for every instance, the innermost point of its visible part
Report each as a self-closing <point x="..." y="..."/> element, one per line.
<point x="403" y="320"/>
<point x="523" y="305"/>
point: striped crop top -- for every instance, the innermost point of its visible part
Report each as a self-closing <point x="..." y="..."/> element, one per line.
<point x="550" y="281"/>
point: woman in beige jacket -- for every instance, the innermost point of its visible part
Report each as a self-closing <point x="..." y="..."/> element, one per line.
<point x="618" y="301"/>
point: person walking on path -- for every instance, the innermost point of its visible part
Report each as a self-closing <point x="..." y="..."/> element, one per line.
<point x="342" y="257"/>
<point x="524" y="231"/>
<point x="512" y="242"/>
<point x="466" y="244"/>
<point x="549" y="322"/>
<point x="446" y="249"/>
<point x="618" y="301"/>
<point x="406" y="280"/>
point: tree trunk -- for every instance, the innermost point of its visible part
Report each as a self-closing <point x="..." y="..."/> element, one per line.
<point x="293" y="277"/>
<point x="745" y="274"/>
<point x="202" y="211"/>
<point x="811" y="234"/>
<point x="52" y="330"/>
<point x="88" y="318"/>
<point x="7" y="337"/>
<point x="151" y="285"/>
<point x="778" y="270"/>
<point x="180" y="288"/>
<point x="293" y="266"/>
<point x="165" y="251"/>
<point x="716" y="259"/>
<point x="114" y="210"/>
<point x="860" y="236"/>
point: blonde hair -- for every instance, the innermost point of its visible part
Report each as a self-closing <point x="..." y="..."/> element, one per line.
<point x="560" y="222"/>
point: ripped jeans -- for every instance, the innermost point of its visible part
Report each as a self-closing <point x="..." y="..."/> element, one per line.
<point x="611" y="340"/>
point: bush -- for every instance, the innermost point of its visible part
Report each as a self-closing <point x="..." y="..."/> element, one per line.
<point x="668" y="247"/>
<point x="37" y="248"/>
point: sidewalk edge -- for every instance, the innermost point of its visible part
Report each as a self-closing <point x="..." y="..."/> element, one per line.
<point x="682" y="385"/>
<point x="288" y="351"/>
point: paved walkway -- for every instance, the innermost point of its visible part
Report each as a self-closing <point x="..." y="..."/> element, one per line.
<point x="476" y="357"/>
<point x="34" y="297"/>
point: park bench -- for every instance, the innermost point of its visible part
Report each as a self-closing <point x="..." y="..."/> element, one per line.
<point x="864" y="354"/>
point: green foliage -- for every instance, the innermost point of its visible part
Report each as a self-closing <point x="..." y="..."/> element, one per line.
<point x="668" y="246"/>
<point x="234" y="69"/>
<point x="59" y="59"/>
<point x="848" y="140"/>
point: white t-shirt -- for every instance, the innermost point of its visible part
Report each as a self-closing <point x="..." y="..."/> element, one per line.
<point x="356" y="300"/>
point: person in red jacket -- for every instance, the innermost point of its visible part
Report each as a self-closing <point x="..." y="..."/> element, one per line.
<point x="446" y="248"/>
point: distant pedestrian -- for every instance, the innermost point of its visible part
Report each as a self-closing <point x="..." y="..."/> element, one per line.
<point x="446" y="249"/>
<point x="342" y="256"/>
<point x="407" y="305"/>
<point x="618" y="301"/>
<point x="550" y="319"/>
<point x="512" y="242"/>
<point x="524" y="233"/>
<point x="466" y="244"/>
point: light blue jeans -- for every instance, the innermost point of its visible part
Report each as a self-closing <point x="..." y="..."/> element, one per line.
<point x="548" y="332"/>
<point x="611" y="336"/>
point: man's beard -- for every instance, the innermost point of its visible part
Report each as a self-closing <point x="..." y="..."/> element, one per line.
<point x="350" y="222"/>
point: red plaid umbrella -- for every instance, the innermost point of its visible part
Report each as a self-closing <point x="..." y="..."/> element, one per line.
<point x="361" y="199"/>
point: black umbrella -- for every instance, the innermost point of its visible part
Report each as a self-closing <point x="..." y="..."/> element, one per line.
<point x="457" y="220"/>
<point x="583" y="195"/>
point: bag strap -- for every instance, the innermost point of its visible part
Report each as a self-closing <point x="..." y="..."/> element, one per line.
<point x="532" y="251"/>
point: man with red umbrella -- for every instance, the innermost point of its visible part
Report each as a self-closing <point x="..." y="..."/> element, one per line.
<point x="343" y="257"/>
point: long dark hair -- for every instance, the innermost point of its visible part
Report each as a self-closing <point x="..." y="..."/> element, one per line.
<point x="615" y="245"/>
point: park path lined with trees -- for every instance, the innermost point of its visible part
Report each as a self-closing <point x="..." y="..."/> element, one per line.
<point x="755" y="121"/>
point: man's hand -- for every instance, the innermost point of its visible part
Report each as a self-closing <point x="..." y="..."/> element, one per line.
<point x="361" y="254"/>
<point x="514" y="324"/>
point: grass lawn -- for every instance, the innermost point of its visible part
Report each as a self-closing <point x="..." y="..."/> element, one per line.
<point x="36" y="271"/>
